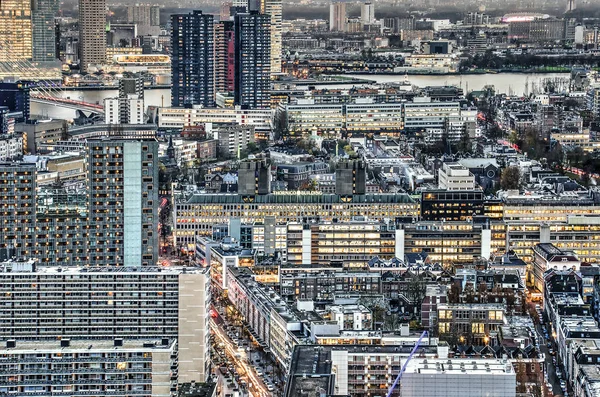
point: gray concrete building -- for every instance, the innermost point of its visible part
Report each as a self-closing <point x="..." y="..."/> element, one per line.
<point x="111" y="221"/>
<point x="254" y="177"/>
<point x="351" y="178"/>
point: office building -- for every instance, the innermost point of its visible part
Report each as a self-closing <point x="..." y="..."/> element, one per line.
<point x="350" y="178"/>
<point x="44" y="40"/>
<point x="108" y="303"/>
<point x="192" y="59"/>
<point x="92" y="33"/>
<point x="224" y="57"/>
<point x="15" y="30"/>
<point x="179" y="118"/>
<point x="367" y="369"/>
<point x="82" y="367"/>
<point x="274" y="9"/>
<point x="578" y="234"/>
<point x="197" y="214"/>
<point x="365" y="116"/>
<point x="350" y="244"/>
<point x="547" y="256"/>
<point x="540" y="30"/>
<point x="449" y="205"/>
<point x="419" y="116"/>
<point x="459" y="378"/>
<point x="254" y="177"/>
<point x="252" y="60"/>
<point x="111" y="221"/>
<point x="367" y="13"/>
<point x="453" y="176"/>
<point x="337" y="17"/>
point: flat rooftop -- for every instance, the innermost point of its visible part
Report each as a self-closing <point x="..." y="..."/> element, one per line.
<point x="465" y="366"/>
<point x="90" y="345"/>
<point x="298" y="199"/>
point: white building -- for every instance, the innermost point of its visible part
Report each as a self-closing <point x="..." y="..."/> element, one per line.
<point x="453" y="176"/>
<point x="10" y="146"/>
<point x="459" y="378"/>
<point x="337" y="17"/>
<point x="367" y="12"/>
<point x="111" y="111"/>
<point x="261" y="119"/>
<point x="131" y="107"/>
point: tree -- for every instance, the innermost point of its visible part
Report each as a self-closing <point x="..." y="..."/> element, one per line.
<point x="416" y="290"/>
<point x="252" y="147"/>
<point x="510" y="178"/>
<point x="465" y="145"/>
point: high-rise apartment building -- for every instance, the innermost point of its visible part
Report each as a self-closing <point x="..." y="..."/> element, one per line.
<point x="15" y="30"/>
<point x="112" y="221"/>
<point x="144" y="14"/>
<point x="65" y="367"/>
<point x="131" y="100"/>
<point x="367" y="12"/>
<point x="154" y="15"/>
<point x="106" y="304"/>
<point x="337" y="17"/>
<point x="225" y="11"/>
<point x="274" y="9"/>
<point x="192" y="59"/>
<point x="224" y="57"/>
<point x="129" y="110"/>
<point x="44" y="30"/>
<point x="253" y="60"/>
<point x="92" y="33"/>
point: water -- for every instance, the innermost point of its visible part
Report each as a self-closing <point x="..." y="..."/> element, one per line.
<point x="504" y="83"/>
<point x="152" y="97"/>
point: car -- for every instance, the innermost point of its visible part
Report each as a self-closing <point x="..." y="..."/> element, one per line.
<point x="270" y="388"/>
<point x="549" y="344"/>
<point x="551" y="351"/>
<point x="259" y="372"/>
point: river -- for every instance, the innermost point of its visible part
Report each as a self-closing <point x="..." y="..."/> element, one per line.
<point x="503" y="82"/>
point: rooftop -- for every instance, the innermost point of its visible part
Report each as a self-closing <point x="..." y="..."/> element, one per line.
<point x="466" y="367"/>
<point x="89" y="345"/>
<point x="298" y="198"/>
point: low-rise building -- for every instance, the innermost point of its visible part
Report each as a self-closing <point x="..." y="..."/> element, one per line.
<point x="453" y="176"/>
<point x="459" y="377"/>
<point x="470" y="323"/>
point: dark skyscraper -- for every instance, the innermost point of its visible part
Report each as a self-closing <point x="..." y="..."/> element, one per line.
<point x="44" y="30"/>
<point x="192" y="59"/>
<point x="224" y="57"/>
<point x="253" y="60"/>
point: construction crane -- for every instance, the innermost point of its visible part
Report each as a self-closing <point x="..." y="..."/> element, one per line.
<point x="412" y="353"/>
